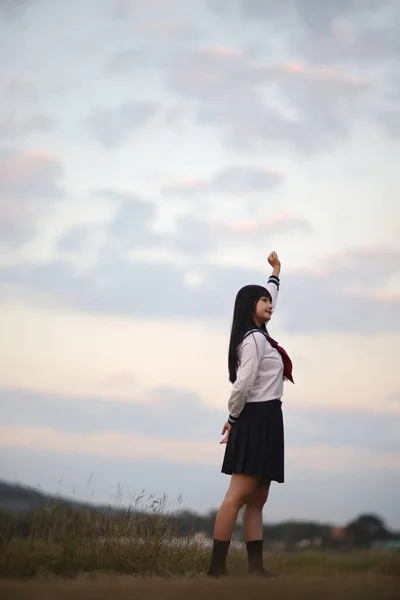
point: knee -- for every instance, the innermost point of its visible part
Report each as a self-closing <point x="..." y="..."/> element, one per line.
<point x="236" y="500"/>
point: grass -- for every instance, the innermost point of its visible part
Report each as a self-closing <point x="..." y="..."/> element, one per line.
<point x="62" y="551"/>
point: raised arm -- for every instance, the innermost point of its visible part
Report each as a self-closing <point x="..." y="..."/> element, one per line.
<point x="274" y="281"/>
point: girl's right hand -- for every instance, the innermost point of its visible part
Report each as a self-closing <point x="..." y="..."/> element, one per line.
<point x="226" y="429"/>
<point x="274" y="260"/>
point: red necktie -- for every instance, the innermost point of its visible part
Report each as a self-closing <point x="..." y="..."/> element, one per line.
<point x="287" y="363"/>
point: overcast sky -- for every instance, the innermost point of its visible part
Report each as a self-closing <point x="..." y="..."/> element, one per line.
<point x="152" y="154"/>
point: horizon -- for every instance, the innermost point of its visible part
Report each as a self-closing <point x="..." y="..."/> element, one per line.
<point x="119" y="505"/>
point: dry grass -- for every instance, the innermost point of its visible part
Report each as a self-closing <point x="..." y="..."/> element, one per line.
<point x="72" y="554"/>
<point x="65" y="541"/>
<point x="287" y="588"/>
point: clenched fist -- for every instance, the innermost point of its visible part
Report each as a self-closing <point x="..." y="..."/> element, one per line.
<point x="274" y="260"/>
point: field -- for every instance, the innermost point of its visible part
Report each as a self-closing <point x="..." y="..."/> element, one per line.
<point x="75" y="554"/>
<point x="352" y="576"/>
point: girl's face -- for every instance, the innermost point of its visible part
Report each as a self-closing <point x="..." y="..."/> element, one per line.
<point x="263" y="311"/>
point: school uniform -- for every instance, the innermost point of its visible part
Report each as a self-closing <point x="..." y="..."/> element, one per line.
<point x="256" y="441"/>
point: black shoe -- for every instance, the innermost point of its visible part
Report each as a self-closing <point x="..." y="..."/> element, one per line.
<point x="217" y="567"/>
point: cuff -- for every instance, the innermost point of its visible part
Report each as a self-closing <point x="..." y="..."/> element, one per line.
<point x="232" y="420"/>
<point x="274" y="279"/>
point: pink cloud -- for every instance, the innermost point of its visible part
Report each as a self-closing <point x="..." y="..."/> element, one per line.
<point x="330" y="74"/>
<point x="223" y="52"/>
<point x="249" y="226"/>
<point x="22" y="172"/>
<point x="27" y="181"/>
<point x="281" y="221"/>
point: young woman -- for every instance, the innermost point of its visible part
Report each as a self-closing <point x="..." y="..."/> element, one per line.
<point x="254" y="454"/>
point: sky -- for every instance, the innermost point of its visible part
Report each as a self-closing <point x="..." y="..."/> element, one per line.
<point x="152" y="154"/>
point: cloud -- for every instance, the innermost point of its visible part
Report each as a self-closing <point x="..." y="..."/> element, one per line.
<point x="364" y="268"/>
<point x="307" y="104"/>
<point x="127" y="227"/>
<point x="132" y="229"/>
<point x="114" y="286"/>
<point x="75" y="238"/>
<point x="344" y="428"/>
<point x="134" y="232"/>
<point x="160" y="21"/>
<point x="29" y="183"/>
<point x="171" y="413"/>
<point x="34" y="173"/>
<point x="256" y="103"/>
<point x="14" y="127"/>
<point x="177" y="414"/>
<point x="361" y="36"/>
<point x="21" y="87"/>
<point x="133" y="219"/>
<point x="126" y="61"/>
<point x="360" y="32"/>
<point x="193" y="236"/>
<point x="282" y="222"/>
<point x="180" y="439"/>
<point x="344" y="295"/>
<point x="333" y="299"/>
<point x="110" y="444"/>
<point x="236" y="179"/>
<point x="112" y="126"/>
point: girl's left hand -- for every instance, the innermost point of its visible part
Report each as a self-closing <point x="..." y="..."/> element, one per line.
<point x="226" y="429"/>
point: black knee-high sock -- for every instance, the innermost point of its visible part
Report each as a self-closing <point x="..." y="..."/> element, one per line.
<point x="218" y="558"/>
<point x="255" y="556"/>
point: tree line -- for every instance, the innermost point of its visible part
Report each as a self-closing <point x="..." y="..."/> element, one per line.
<point x="25" y="512"/>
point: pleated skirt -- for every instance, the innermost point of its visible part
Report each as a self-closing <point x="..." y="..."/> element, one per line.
<point x="256" y="442"/>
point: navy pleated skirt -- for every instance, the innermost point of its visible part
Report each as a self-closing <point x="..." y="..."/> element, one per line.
<point x="256" y="442"/>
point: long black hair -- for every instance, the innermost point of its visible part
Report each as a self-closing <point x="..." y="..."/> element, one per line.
<point x="243" y="321"/>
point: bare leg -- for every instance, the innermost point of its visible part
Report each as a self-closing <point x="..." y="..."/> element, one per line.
<point x="252" y="514"/>
<point x="240" y="489"/>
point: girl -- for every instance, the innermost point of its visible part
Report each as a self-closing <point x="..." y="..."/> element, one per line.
<point x="254" y="454"/>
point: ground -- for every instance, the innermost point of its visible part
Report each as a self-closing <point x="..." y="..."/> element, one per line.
<point x="350" y="587"/>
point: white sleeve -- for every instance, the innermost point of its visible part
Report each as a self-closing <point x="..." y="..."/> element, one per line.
<point x="273" y="288"/>
<point x="251" y="352"/>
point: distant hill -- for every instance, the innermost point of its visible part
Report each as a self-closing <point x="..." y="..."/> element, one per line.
<point x="17" y="499"/>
